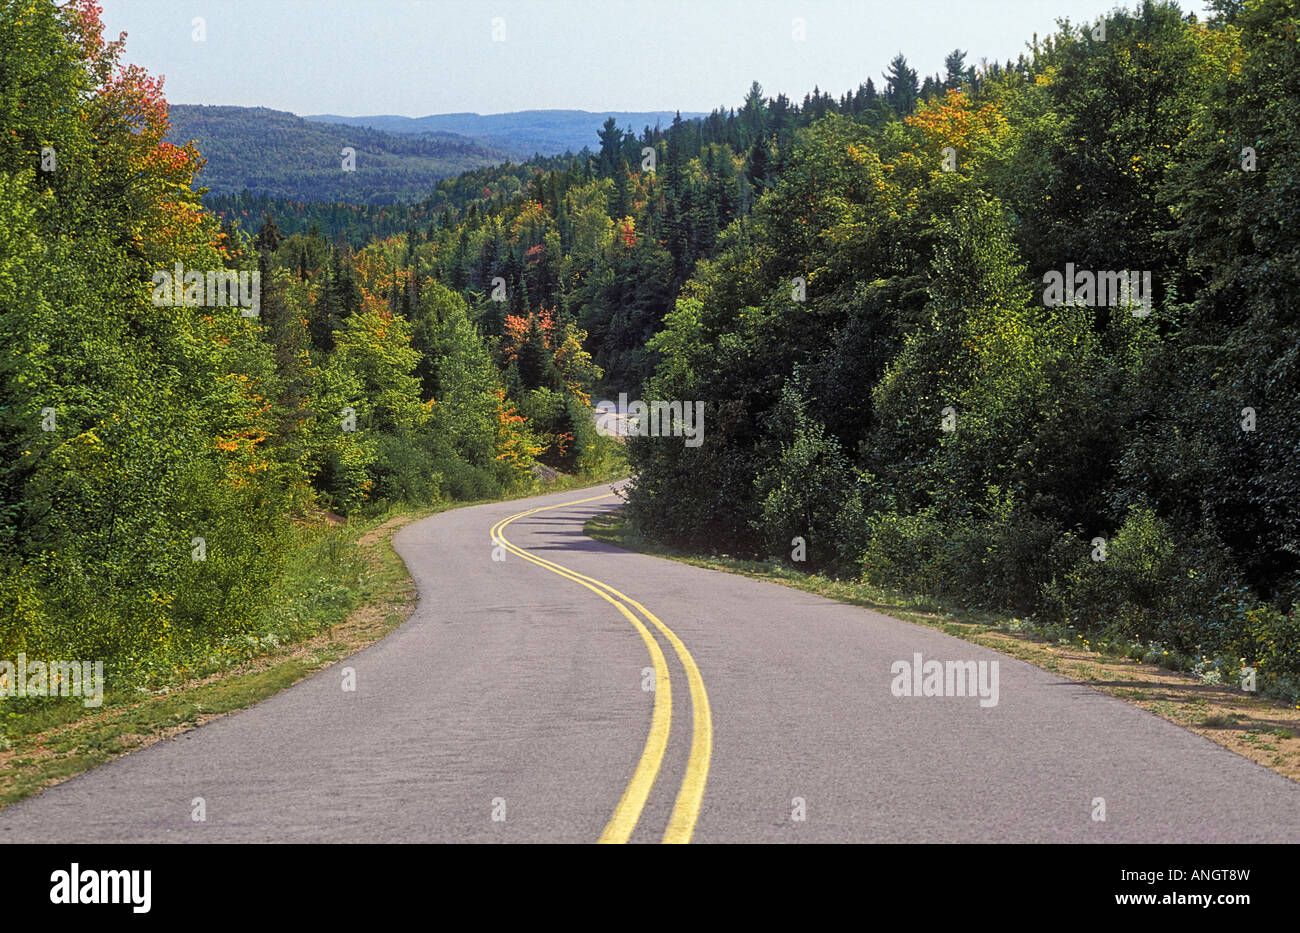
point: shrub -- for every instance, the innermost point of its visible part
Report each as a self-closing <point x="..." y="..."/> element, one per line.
<point x="1268" y="639"/>
<point x="998" y="556"/>
<point x="904" y="552"/>
<point x="1149" y="588"/>
<point x="812" y="492"/>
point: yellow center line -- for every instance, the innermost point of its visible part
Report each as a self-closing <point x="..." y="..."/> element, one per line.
<point x="628" y="812"/>
<point x="686" y="809"/>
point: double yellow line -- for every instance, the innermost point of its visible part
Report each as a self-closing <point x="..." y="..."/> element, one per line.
<point x="681" y="825"/>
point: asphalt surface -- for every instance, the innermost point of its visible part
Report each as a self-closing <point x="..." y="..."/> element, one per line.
<point x="511" y="708"/>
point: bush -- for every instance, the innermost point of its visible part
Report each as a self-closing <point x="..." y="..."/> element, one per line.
<point x="345" y="475"/>
<point x="403" y="471"/>
<point x="548" y="415"/>
<point x="999" y="556"/>
<point x="1268" y="639"/>
<point x="904" y="552"/>
<point x="591" y="453"/>
<point x="813" y="493"/>
<point x="1009" y="557"/>
<point x="1149" y="589"/>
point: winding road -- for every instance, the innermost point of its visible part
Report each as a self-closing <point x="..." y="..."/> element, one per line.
<point x="552" y="688"/>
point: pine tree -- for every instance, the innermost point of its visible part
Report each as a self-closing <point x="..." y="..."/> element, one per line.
<point x="955" y="65"/>
<point x="758" y="168"/>
<point x="901" y="87"/>
<point x="611" y="144"/>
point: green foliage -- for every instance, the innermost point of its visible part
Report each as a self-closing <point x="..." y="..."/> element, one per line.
<point x="1148" y="588"/>
<point x="995" y="554"/>
<point x="1001" y="435"/>
<point x="811" y="492"/>
<point x="130" y="429"/>
<point x="1268" y="638"/>
<point x="154" y="456"/>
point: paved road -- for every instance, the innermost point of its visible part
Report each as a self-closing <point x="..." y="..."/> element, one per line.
<point x="511" y="707"/>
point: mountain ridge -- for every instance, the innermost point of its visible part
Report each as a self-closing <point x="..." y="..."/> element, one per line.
<point x="280" y="154"/>
<point x="521" y="133"/>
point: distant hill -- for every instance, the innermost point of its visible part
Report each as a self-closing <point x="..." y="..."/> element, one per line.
<point x="521" y="134"/>
<point x="282" y="155"/>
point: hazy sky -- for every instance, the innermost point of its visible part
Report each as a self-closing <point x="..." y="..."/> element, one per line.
<point x="416" y="57"/>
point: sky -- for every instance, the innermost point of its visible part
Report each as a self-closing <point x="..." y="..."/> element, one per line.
<point x="418" y="57"/>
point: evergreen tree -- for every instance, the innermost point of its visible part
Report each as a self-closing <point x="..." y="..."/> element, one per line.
<point x="757" y="170"/>
<point x="901" y="87"/>
<point x="955" y="66"/>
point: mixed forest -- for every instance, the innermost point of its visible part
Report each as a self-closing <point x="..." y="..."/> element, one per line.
<point x="853" y="284"/>
<point x="270" y="152"/>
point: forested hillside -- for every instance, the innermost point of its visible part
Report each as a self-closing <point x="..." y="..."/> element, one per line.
<point x="157" y="443"/>
<point x="522" y="134"/>
<point x="272" y="153"/>
<point x="889" y="376"/>
<point x="604" y="239"/>
<point x="864" y="290"/>
<point x="357" y="224"/>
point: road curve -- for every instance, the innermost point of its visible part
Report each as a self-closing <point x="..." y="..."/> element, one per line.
<point x="513" y="706"/>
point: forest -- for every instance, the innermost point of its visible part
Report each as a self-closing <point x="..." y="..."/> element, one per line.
<point x="855" y="286"/>
<point x="274" y="153"/>
<point x="156" y="454"/>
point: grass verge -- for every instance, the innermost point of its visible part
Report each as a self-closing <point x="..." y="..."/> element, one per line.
<point x="1254" y="727"/>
